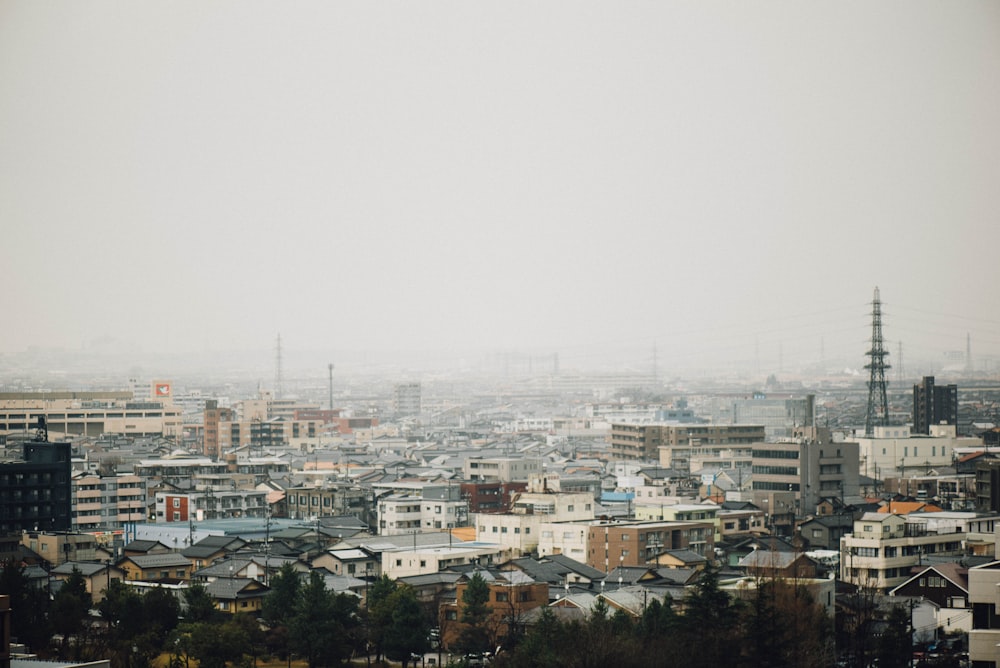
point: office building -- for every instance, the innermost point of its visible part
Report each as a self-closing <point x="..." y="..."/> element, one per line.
<point x="406" y="400"/>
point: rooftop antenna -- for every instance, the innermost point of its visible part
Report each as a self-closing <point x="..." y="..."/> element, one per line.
<point x="277" y="368"/>
<point x="878" y="404"/>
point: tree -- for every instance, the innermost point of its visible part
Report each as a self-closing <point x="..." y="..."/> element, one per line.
<point x="29" y="622"/>
<point x="321" y="628"/>
<point x="708" y="608"/>
<point x="408" y="629"/>
<point x="475" y="637"/>
<point x="199" y="605"/>
<point x="895" y="649"/>
<point x="379" y="610"/>
<point x="214" y="644"/>
<point x="69" y="609"/>
<point x="284" y="592"/>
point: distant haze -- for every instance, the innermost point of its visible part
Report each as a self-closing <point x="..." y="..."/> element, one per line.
<point x="724" y="181"/>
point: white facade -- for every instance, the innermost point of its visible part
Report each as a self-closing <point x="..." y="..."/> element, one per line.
<point x="520" y="529"/>
<point x="403" y="514"/>
<point x="894" y="450"/>
<point x="564" y="538"/>
<point x="405" y="562"/>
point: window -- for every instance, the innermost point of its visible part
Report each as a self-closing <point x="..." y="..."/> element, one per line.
<point x="494" y="529"/>
<point x="399" y="562"/>
<point x="868" y="527"/>
<point x="423" y="563"/>
<point x="177" y="503"/>
<point x="502" y="597"/>
<point x="624" y="536"/>
<point x="570" y="508"/>
<point x="503" y="529"/>
<point x="451" y="615"/>
<point x="527" y="529"/>
<point x="517" y="529"/>
<point x="180" y="573"/>
<point x="177" y="517"/>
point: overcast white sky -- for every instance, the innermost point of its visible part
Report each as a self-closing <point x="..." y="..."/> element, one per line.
<point x="726" y="179"/>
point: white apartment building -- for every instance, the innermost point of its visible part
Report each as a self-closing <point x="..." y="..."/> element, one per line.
<point x="894" y="450"/>
<point x="564" y="538"/>
<point x="884" y="547"/>
<point x="404" y="562"/>
<point x="405" y="513"/>
<point x="520" y="530"/>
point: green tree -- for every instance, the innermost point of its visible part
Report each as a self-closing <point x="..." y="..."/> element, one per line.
<point x="408" y="629"/>
<point x="29" y="604"/>
<point x="894" y="649"/>
<point x="284" y="591"/>
<point x="707" y="607"/>
<point x="379" y="611"/>
<point x="475" y="638"/>
<point x="198" y="604"/>
<point x="321" y="629"/>
<point x="70" y="608"/>
<point x="214" y="644"/>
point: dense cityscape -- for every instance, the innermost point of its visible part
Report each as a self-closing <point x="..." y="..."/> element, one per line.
<point x="536" y="517"/>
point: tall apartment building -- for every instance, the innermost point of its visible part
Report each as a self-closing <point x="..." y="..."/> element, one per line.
<point x="406" y="399"/>
<point x="215" y="415"/>
<point x="210" y="505"/>
<point x="107" y="503"/>
<point x="812" y="468"/>
<point x="35" y="491"/>
<point x="934" y="404"/>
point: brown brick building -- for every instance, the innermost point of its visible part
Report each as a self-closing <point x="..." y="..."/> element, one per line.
<point x="613" y="544"/>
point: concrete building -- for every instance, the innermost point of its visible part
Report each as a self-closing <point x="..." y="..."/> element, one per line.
<point x="894" y="450"/>
<point x="304" y="503"/>
<point x="214" y="416"/>
<point x="614" y="544"/>
<point x="520" y="529"/>
<point x="501" y="469"/>
<point x="93" y="413"/>
<point x="106" y="503"/>
<point x="35" y="490"/>
<point x="984" y="596"/>
<point x="675" y="444"/>
<point x="210" y="505"/>
<point x="58" y="547"/>
<point x="933" y="405"/>
<point x="883" y="548"/>
<point x="780" y="415"/>
<point x="404" y="513"/>
<point x="406" y="400"/>
<point x="812" y="467"/>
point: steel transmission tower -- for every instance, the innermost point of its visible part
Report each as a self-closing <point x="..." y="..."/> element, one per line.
<point x="878" y="404"/>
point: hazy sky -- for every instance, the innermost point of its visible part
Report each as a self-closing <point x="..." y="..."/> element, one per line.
<point x="727" y="179"/>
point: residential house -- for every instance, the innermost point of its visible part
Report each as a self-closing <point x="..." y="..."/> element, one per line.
<point x="156" y="567"/>
<point x="97" y="576"/>
<point x="947" y="587"/>
<point x="237" y="595"/>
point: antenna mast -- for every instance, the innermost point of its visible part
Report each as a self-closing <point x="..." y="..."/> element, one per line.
<point x="878" y="404"/>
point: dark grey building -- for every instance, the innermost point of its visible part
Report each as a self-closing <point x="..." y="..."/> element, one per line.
<point x="35" y="490"/>
<point x="933" y="404"/>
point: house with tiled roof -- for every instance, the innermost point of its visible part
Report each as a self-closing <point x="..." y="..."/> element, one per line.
<point x="235" y="595"/>
<point x="907" y="507"/>
<point x="156" y="567"/>
<point x="96" y="575"/>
